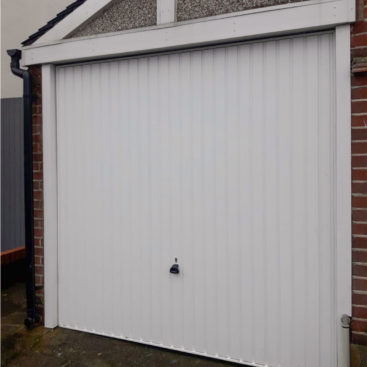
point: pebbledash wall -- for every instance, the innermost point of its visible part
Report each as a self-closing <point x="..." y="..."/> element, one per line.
<point x="189" y="9"/>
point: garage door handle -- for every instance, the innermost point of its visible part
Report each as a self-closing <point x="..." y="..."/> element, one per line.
<point x="174" y="269"/>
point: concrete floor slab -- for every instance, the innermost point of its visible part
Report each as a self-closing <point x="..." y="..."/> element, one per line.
<point x="62" y="347"/>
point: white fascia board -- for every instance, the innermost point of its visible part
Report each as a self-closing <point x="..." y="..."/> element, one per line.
<point x="277" y="20"/>
<point x="73" y="21"/>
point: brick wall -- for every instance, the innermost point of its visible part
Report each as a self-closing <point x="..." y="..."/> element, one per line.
<point x="37" y="183"/>
<point x="359" y="178"/>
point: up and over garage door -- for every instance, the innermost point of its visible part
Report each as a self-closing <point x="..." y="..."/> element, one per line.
<point x="220" y="160"/>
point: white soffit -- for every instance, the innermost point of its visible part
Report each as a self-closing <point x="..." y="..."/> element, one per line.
<point x="269" y="21"/>
<point x="73" y="20"/>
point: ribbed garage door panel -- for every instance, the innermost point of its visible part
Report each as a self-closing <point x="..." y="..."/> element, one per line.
<point x="222" y="158"/>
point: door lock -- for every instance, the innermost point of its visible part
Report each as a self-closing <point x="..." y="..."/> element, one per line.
<point x="175" y="269"/>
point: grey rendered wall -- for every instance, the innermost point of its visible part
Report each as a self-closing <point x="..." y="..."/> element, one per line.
<point x="12" y="196"/>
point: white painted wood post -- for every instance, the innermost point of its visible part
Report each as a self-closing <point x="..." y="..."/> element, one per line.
<point x="343" y="178"/>
<point x="166" y="11"/>
<point x="50" y="195"/>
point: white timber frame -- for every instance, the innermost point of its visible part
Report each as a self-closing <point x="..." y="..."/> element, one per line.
<point x="343" y="214"/>
<point x="50" y="195"/>
<point x="79" y="16"/>
<point x="260" y="23"/>
<point x="166" y="11"/>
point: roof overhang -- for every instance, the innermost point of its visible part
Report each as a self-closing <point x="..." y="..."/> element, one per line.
<point x="79" y="16"/>
<point x="270" y="21"/>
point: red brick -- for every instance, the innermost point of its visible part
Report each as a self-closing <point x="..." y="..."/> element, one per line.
<point x="359" y="312"/>
<point x="36" y="97"/>
<point x="359" y="256"/>
<point x="36" y="138"/>
<point x="37" y="166"/>
<point x="359" y="174"/>
<point x="36" y="73"/>
<point x="359" y="228"/>
<point x="358" y="52"/>
<point x="38" y="280"/>
<point x="38" y="242"/>
<point x="359" y="134"/>
<point x="36" y="120"/>
<point x="38" y="223"/>
<point x="38" y="205"/>
<point x="359" y="93"/>
<point x="359" y="121"/>
<point x="36" y="129"/>
<point x="359" y="161"/>
<point x="359" y="27"/>
<point x="358" y="40"/>
<point x="359" y="80"/>
<point x="360" y="284"/>
<point x="359" y="299"/>
<point x="359" y="339"/>
<point x="359" y="187"/>
<point x="359" y="215"/>
<point x="359" y="107"/>
<point x="38" y="251"/>
<point x="359" y="147"/>
<point x="36" y="148"/>
<point x="38" y="260"/>
<point x="38" y="269"/>
<point x="359" y="242"/>
<point x="37" y="185"/>
<point x="38" y="232"/>
<point x="359" y="202"/>
<point x="37" y="157"/>
<point x="359" y="270"/>
<point x="37" y="180"/>
<point x="38" y="213"/>
<point x="358" y="325"/>
<point x="37" y="175"/>
<point x="37" y="195"/>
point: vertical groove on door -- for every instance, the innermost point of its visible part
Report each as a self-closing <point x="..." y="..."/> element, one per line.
<point x="223" y="159"/>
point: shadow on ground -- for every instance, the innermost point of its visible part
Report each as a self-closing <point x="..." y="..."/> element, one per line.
<point x="61" y="347"/>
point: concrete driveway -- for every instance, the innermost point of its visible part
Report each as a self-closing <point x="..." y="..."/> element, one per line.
<point x="61" y="347"/>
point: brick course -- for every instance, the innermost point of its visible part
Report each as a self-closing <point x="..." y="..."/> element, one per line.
<point x="37" y="156"/>
<point x="359" y="180"/>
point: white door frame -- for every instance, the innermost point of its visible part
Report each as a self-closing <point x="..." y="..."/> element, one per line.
<point x="342" y="223"/>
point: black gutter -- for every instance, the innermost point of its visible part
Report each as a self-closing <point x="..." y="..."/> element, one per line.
<point x="32" y="316"/>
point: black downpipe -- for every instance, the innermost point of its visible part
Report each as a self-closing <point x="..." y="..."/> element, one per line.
<point x="32" y="316"/>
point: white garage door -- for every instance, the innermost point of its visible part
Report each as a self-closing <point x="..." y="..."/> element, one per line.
<point x="220" y="158"/>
